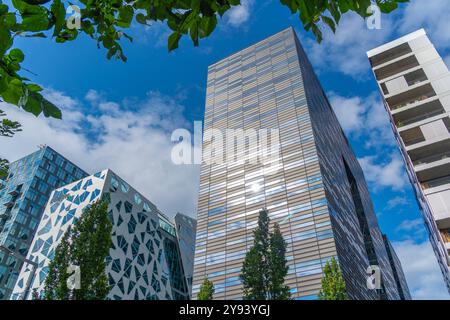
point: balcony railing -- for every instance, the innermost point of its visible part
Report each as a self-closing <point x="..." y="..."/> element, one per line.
<point x="396" y="67"/>
<point x="445" y="235"/>
<point x="436" y="182"/>
<point x="414" y="141"/>
<point x="433" y="158"/>
<point x="390" y="55"/>
<point x="412" y="101"/>
<point x="421" y="117"/>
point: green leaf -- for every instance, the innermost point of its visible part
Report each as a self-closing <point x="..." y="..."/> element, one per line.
<point x="14" y="92"/>
<point x="16" y="55"/>
<point x="5" y="40"/>
<point x="173" y="40"/>
<point x="34" y="87"/>
<point x="59" y="16"/>
<point x="50" y="110"/>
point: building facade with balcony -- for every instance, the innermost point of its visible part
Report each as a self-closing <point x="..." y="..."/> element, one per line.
<point x="415" y="84"/>
<point x="314" y="188"/>
<point x="23" y="196"/>
<point x="144" y="262"/>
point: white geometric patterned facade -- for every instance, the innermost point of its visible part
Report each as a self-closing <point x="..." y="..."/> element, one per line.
<point x="144" y="261"/>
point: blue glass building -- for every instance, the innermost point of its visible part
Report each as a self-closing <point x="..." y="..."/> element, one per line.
<point x="23" y="196"/>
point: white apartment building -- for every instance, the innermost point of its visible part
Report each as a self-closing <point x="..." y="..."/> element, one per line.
<point x="415" y="84"/>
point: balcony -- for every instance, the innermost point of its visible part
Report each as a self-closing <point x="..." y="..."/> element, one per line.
<point x="403" y="83"/>
<point x="434" y="158"/>
<point x="431" y="161"/>
<point x="415" y="77"/>
<point x="433" y="170"/>
<point x="9" y="203"/>
<point x="16" y="191"/>
<point x="390" y="55"/>
<point x="430" y="105"/>
<point x="445" y="235"/>
<point x="421" y="117"/>
<point x="396" y="67"/>
<point x="435" y="183"/>
<point x="412" y="136"/>
<point x="433" y="147"/>
<point x="411" y="97"/>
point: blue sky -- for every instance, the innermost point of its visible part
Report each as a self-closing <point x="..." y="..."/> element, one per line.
<point x="120" y="115"/>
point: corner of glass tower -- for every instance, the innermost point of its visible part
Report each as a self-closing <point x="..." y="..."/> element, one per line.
<point x="318" y="194"/>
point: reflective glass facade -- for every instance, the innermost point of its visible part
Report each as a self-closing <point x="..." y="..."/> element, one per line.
<point x="144" y="262"/>
<point x="22" y="200"/>
<point x="186" y="229"/>
<point x="317" y="192"/>
<point x="400" y="280"/>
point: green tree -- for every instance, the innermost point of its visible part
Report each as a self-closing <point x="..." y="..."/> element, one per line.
<point x="206" y="290"/>
<point x="86" y="245"/>
<point x="278" y="266"/>
<point x="264" y="267"/>
<point x="333" y="284"/>
<point x="55" y="287"/>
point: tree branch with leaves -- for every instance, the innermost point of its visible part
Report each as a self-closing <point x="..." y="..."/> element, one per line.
<point x="105" y="21"/>
<point x="333" y="284"/>
<point x="206" y="290"/>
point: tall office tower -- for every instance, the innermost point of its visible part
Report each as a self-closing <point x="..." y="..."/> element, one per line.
<point x="186" y="230"/>
<point x="399" y="276"/>
<point x="22" y="201"/>
<point x="415" y="85"/>
<point x="315" y="190"/>
<point x="144" y="260"/>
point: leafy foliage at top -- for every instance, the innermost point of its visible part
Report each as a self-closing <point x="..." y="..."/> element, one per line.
<point x="7" y="129"/>
<point x="105" y="21"/>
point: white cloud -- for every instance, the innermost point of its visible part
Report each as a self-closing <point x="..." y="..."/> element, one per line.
<point x="345" y="51"/>
<point x="350" y="112"/>
<point x="413" y="229"/>
<point x="135" y="143"/>
<point x="155" y="34"/>
<point x="238" y="15"/>
<point x="432" y="15"/>
<point x="409" y="225"/>
<point x="364" y="117"/>
<point x="398" y="201"/>
<point x="421" y="269"/>
<point x="389" y="173"/>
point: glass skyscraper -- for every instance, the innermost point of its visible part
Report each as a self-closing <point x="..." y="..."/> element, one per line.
<point x="317" y="192"/>
<point x="23" y="196"/>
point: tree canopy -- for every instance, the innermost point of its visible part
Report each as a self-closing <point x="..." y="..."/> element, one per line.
<point x="105" y="21"/>
<point x="206" y="290"/>
<point x="333" y="284"/>
<point x="265" y="265"/>
<point x="86" y="246"/>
